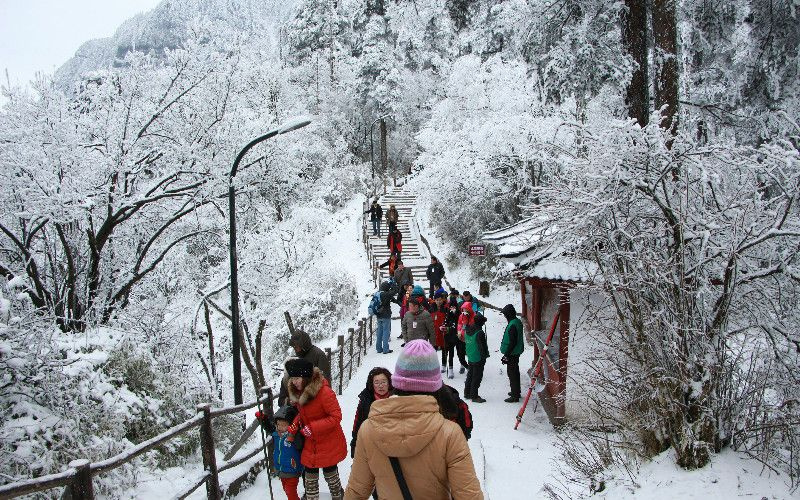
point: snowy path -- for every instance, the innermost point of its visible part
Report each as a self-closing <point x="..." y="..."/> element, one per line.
<point x="414" y="254"/>
<point x="503" y="457"/>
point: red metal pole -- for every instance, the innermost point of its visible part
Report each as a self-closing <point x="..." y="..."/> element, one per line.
<point x="538" y="368"/>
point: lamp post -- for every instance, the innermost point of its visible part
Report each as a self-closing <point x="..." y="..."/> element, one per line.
<point x="235" y="344"/>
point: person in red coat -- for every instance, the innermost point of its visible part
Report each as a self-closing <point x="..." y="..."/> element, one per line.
<point x="319" y="420"/>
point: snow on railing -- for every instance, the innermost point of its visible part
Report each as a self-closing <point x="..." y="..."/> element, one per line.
<point x="77" y="479"/>
<point x="350" y="351"/>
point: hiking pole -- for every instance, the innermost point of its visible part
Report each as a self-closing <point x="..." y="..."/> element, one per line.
<point x="268" y="393"/>
<point x="537" y="369"/>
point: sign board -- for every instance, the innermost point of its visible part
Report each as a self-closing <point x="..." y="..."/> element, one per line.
<point x="477" y="250"/>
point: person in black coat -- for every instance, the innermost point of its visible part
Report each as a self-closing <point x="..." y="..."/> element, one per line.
<point x="304" y="348"/>
<point x="451" y="330"/>
<point x="435" y="275"/>
<point x="379" y="386"/>
<point x="375" y="216"/>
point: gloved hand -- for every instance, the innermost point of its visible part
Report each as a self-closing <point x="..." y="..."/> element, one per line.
<point x="504" y="360"/>
<point x="306" y="430"/>
<point x="292" y="429"/>
<point x="261" y="416"/>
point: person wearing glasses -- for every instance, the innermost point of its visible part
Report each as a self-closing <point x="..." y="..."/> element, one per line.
<point x="379" y="386"/>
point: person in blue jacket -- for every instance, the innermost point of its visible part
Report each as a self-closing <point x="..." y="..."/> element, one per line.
<point x="285" y="454"/>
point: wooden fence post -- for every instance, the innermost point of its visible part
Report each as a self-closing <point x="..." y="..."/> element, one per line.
<point x="351" y="334"/>
<point x="209" y="458"/>
<point x="360" y="343"/>
<point x="340" y="341"/>
<point x="81" y="487"/>
<point x="367" y="338"/>
<point x="329" y="355"/>
<point x="289" y="322"/>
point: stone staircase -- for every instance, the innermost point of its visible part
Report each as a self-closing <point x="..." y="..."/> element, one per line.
<point x="415" y="254"/>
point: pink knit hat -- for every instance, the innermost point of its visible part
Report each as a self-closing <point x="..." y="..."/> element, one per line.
<point x="417" y="368"/>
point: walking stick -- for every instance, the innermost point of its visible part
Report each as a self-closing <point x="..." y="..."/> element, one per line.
<point x="264" y="442"/>
<point x="537" y="369"/>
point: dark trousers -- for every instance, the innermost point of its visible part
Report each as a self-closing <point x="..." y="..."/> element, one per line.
<point x="513" y="375"/>
<point x="435" y="286"/>
<point x="376" y="228"/>
<point x="447" y="351"/>
<point x="461" y="352"/>
<point x="474" y="379"/>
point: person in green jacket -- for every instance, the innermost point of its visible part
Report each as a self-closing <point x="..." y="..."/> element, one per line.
<point x="511" y="347"/>
<point x="477" y="354"/>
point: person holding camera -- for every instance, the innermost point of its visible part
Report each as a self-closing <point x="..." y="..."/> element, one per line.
<point x="511" y="348"/>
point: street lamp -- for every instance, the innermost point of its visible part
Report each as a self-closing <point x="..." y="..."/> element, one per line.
<point x="288" y="126"/>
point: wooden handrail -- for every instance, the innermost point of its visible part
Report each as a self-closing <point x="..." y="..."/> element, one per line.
<point x="241" y="460"/>
<point x="192" y="489"/>
<point x="128" y="455"/>
<point x="37" y="484"/>
<point x="218" y="412"/>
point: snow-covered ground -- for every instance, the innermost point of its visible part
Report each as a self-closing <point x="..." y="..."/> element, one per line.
<point x="510" y="464"/>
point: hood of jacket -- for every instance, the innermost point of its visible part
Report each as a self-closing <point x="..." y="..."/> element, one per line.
<point x="302" y="340"/>
<point x="509" y="312"/>
<point x="467" y="306"/>
<point x="311" y="389"/>
<point x="404" y="425"/>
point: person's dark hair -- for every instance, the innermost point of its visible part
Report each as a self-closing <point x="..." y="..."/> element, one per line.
<point x="433" y="257"/>
<point x="448" y="406"/>
<point x="378" y="370"/>
<point x="466" y="293"/>
<point x="398" y="263"/>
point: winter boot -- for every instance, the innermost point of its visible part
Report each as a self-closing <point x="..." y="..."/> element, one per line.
<point x="450" y="373"/>
<point x="478" y="399"/>
<point x="334" y="484"/>
<point x="511" y="399"/>
<point x="462" y="370"/>
<point x="444" y="368"/>
<point x="312" y="486"/>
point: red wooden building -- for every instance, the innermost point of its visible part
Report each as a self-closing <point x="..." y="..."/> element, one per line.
<point x="547" y="279"/>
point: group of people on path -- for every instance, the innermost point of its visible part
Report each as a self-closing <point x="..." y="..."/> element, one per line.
<point x="453" y="323"/>
<point x="409" y="433"/>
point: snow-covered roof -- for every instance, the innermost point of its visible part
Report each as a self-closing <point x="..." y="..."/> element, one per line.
<point x="561" y="269"/>
<point x="515" y="240"/>
<point x="525" y="245"/>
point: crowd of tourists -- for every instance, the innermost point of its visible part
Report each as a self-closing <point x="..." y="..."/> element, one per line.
<point x="409" y="436"/>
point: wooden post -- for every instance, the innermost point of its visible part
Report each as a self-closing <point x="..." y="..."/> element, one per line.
<point x="483" y="288"/>
<point x="340" y="341"/>
<point x="366" y="333"/>
<point x="351" y="334"/>
<point x="289" y="322"/>
<point x="360" y="341"/>
<point x="209" y="458"/>
<point x="81" y="486"/>
<point x="329" y="355"/>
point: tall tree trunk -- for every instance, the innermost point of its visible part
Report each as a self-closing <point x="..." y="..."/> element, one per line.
<point x="384" y="152"/>
<point x="665" y="35"/>
<point x="634" y="40"/>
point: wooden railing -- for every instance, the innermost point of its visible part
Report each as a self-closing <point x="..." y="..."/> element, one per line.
<point x="350" y="351"/>
<point x="77" y="479"/>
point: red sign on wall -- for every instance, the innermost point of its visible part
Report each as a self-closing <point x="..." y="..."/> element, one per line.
<point x="477" y="250"/>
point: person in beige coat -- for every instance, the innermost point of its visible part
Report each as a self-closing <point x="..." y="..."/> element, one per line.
<point x="432" y="452"/>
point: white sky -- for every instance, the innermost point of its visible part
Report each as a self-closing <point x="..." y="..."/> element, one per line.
<point x="41" y="35"/>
